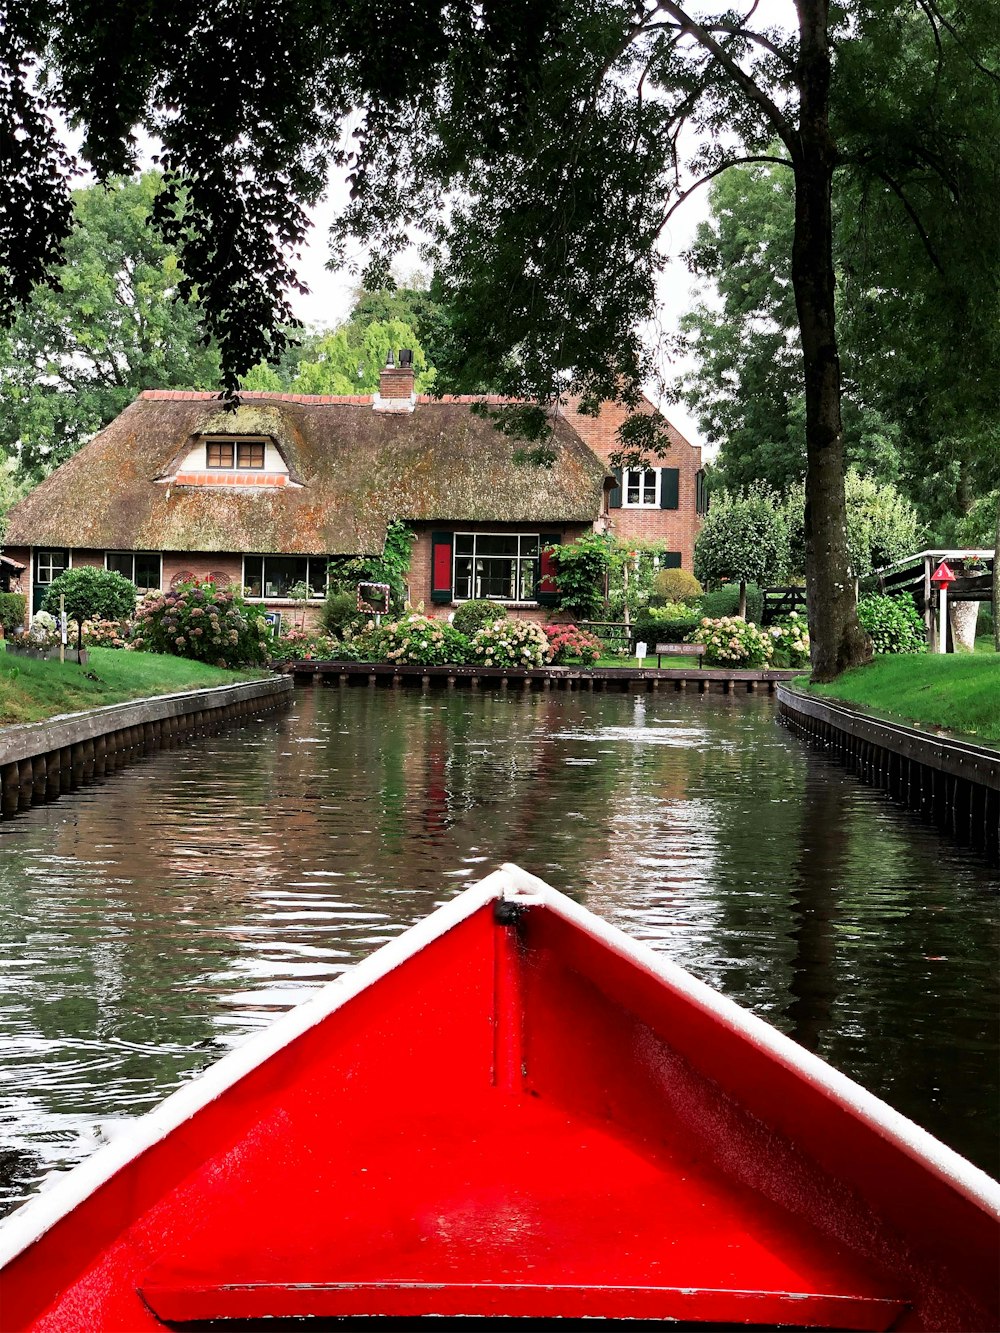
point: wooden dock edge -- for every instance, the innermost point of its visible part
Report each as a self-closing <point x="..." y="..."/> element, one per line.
<point x="41" y="760"/>
<point x="624" y="679"/>
<point x="951" y="781"/>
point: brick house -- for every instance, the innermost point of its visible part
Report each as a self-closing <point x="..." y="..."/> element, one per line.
<point x="260" y="497"/>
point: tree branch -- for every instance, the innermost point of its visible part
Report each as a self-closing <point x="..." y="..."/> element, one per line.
<point x="733" y="162"/>
<point x="913" y="216"/>
<point x="738" y="74"/>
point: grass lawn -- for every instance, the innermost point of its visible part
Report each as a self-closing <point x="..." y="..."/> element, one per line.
<point x="31" y="690"/>
<point x="960" y="692"/>
<point x="648" y="662"/>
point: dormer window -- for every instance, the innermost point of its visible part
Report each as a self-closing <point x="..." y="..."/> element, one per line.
<point x="242" y="454"/>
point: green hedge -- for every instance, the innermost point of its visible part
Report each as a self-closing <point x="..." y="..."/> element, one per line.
<point x="12" y="608"/>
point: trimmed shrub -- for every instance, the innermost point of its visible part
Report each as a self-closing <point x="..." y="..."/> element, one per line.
<point x="893" y="623"/>
<point x="732" y="642"/>
<point x="472" y="616"/>
<point x="725" y="601"/>
<point x="89" y="593"/>
<point x="510" y="643"/>
<point x="340" y="613"/>
<point x="566" y="642"/>
<point x="204" y="623"/>
<point x="675" y="585"/>
<point x="666" y="624"/>
<point x="789" y="641"/>
<point x="12" y="608"/>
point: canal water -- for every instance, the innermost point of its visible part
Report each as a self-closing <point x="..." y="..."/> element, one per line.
<point x="153" y="921"/>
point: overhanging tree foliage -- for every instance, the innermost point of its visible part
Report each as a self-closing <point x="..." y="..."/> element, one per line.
<point x="562" y="125"/>
<point x="78" y="354"/>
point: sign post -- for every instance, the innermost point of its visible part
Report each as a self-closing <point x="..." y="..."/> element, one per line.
<point x="62" y="628"/>
<point x="941" y="578"/>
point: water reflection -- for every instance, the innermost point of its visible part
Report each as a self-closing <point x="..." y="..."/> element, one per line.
<point x="152" y="922"/>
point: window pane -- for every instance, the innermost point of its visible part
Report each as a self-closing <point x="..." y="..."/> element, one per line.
<point x="632" y="487"/>
<point x="489" y="543"/>
<point x="462" y="591"/>
<point x="250" y="454"/>
<point x="281" y="572"/>
<point x="649" y="488"/>
<point x="529" y="545"/>
<point x="529" y="577"/>
<point x="465" y="543"/>
<point x="220" y="453"/>
<point x="120" y="562"/>
<point x="147" y="571"/>
<point x="496" y="578"/>
<point x="253" y="575"/>
<point x="49" y="565"/>
<point x="317" y="575"/>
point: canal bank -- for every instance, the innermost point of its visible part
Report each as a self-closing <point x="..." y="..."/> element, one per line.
<point x="148" y="924"/>
<point x="41" y="760"/>
<point x="949" y="780"/>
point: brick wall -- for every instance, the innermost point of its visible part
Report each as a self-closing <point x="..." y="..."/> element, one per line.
<point x="679" y="527"/>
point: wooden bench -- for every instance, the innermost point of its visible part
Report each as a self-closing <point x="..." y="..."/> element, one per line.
<point x="678" y="650"/>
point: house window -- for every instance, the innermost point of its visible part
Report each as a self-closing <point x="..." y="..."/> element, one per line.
<point x="274" y="576"/>
<point x="220" y="453"/>
<point x="700" y="492"/>
<point x="142" y="567"/>
<point x="250" y="454"/>
<point x="501" y="566"/>
<point x="49" y="565"/>
<point x="242" y="454"/>
<point x="641" y="489"/>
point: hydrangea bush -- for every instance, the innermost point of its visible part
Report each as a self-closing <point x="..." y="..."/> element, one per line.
<point x="202" y="622"/>
<point x="302" y="645"/>
<point x="566" y="641"/>
<point x="510" y="643"/>
<point x="732" y="642"/>
<point x="790" y="641"/>
<point x="43" y="631"/>
<point x="417" y="640"/>
<point x="107" y="633"/>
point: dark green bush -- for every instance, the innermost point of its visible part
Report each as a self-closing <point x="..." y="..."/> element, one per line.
<point x="666" y="624"/>
<point x="894" y="624"/>
<point x="340" y="613"/>
<point x="471" y="616"/>
<point x="12" y="606"/>
<point x="725" y="601"/>
<point x="90" y="593"/>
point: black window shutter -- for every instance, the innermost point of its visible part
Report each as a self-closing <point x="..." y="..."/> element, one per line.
<point x="670" y="560"/>
<point x="615" y="495"/>
<point x="441" y="567"/>
<point x="546" y="592"/>
<point x="669" y="487"/>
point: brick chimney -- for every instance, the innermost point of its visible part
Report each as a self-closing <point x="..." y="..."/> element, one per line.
<point x="395" y="385"/>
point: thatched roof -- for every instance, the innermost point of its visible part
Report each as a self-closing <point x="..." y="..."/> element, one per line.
<point x="358" y="469"/>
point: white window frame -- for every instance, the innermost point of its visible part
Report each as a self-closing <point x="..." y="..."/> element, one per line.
<point x="520" y="559"/>
<point x="36" y="569"/>
<point x="641" y="472"/>
<point x="131" y="555"/>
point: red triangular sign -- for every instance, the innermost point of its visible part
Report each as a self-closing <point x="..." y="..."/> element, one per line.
<point x="942" y="576"/>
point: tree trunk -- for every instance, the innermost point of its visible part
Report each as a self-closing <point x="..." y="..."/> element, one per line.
<point x="742" y="612"/>
<point x="838" y="642"/>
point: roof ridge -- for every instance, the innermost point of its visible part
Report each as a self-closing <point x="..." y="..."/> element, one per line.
<point x="205" y="395"/>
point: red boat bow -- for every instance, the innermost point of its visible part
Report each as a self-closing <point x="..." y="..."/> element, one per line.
<point x="515" y="1110"/>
